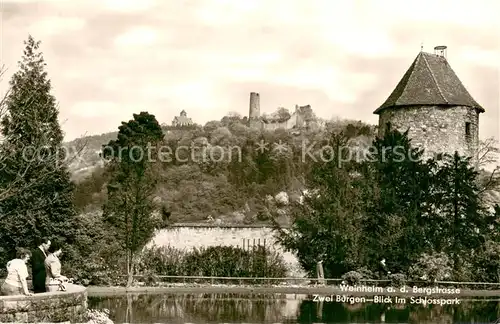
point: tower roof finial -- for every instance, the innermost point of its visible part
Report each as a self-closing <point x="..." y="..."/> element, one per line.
<point x="421" y="46"/>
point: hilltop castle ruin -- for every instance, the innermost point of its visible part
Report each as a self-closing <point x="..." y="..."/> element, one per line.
<point x="302" y="117"/>
<point x="182" y="120"/>
<point x="431" y="103"/>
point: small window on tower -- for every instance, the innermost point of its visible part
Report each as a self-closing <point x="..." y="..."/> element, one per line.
<point x="467" y="129"/>
<point x="388" y="127"/>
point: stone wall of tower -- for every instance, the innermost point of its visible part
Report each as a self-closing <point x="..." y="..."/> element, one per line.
<point x="254" y="120"/>
<point x="436" y="129"/>
<point x="254" y="111"/>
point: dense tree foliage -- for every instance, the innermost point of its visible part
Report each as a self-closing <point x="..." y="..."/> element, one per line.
<point x="397" y="207"/>
<point x="332" y="214"/>
<point x="399" y="212"/>
<point x="36" y="191"/>
<point x="220" y="169"/>
<point x="129" y="210"/>
<point x="460" y="219"/>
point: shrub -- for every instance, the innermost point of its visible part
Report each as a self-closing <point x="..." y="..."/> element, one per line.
<point x="272" y="263"/>
<point x="352" y="278"/>
<point x="95" y="316"/>
<point x="107" y="269"/>
<point x="217" y="261"/>
<point x="161" y="260"/>
<point x="365" y="273"/>
<point x="263" y="213"/>
<point x="432" y="267"/>
<point x="104" y="258"/>
<point x="397" y="279"/>
<point x="222" y="261"/>
<point x="487" y="263"/>
<point x="99" y="272"/>
<point x="150" y="279"/>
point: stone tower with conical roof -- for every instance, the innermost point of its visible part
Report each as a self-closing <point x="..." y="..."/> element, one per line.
<point x="431" y="103"/>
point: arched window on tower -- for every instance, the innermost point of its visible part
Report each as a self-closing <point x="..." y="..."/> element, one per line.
<point x="467" y="129"/>
<point x="388" y="127"/>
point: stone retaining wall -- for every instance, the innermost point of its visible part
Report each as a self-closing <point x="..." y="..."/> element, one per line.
<point x="61" y="306"/>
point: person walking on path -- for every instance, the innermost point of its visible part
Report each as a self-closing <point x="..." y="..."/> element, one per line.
<point x="38" y="272"/>
<point x="383" y="271"/>
<point x="320" y="273"/>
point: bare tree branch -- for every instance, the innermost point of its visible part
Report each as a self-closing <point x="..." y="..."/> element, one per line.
<point x="488" y="152"/>
<point x="492" y="182"/>
<point x="487" y="156"/>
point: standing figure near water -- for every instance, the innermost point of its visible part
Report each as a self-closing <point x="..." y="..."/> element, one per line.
<point x="383" y="271"/>
<point x="38" y="265"/>
<point x="54" y="279"/>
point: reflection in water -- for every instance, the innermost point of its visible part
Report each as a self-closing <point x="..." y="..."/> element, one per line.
<point x="260" y="308"/>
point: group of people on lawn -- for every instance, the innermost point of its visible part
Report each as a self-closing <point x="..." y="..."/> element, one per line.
<point x="45" y="270"/>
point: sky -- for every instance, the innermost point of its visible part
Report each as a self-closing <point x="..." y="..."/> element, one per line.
<point x="108" y="59"/>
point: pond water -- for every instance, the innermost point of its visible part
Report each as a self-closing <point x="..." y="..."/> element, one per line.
<point x="280" y="308"/>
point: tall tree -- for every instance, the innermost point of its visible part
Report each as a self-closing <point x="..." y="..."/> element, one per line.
<point x="327" y="224"/>
<point x="396" y="222"/>
<point x="34" y="179"/>
<point x="487" y="257"/>
<point x="463" y="217"/>
<point x="129" y="211"/>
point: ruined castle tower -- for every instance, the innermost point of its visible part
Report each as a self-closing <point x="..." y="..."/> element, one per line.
<point x="431" y="103"/>
<point x="254" y="110"/>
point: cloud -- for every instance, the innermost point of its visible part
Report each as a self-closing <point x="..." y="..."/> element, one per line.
<point x="366" y="43"/>
<point x="31" y="1"/>
<point x="480" y="13"/>
<point x="51" y="26"/>
<point x="94" y="109"/>
<point x="478" y="56"/>
<point x="128" y="5"/>
<point x="137" y="36"/>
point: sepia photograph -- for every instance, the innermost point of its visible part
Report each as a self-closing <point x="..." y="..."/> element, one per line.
<point x="229" y="161"/>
